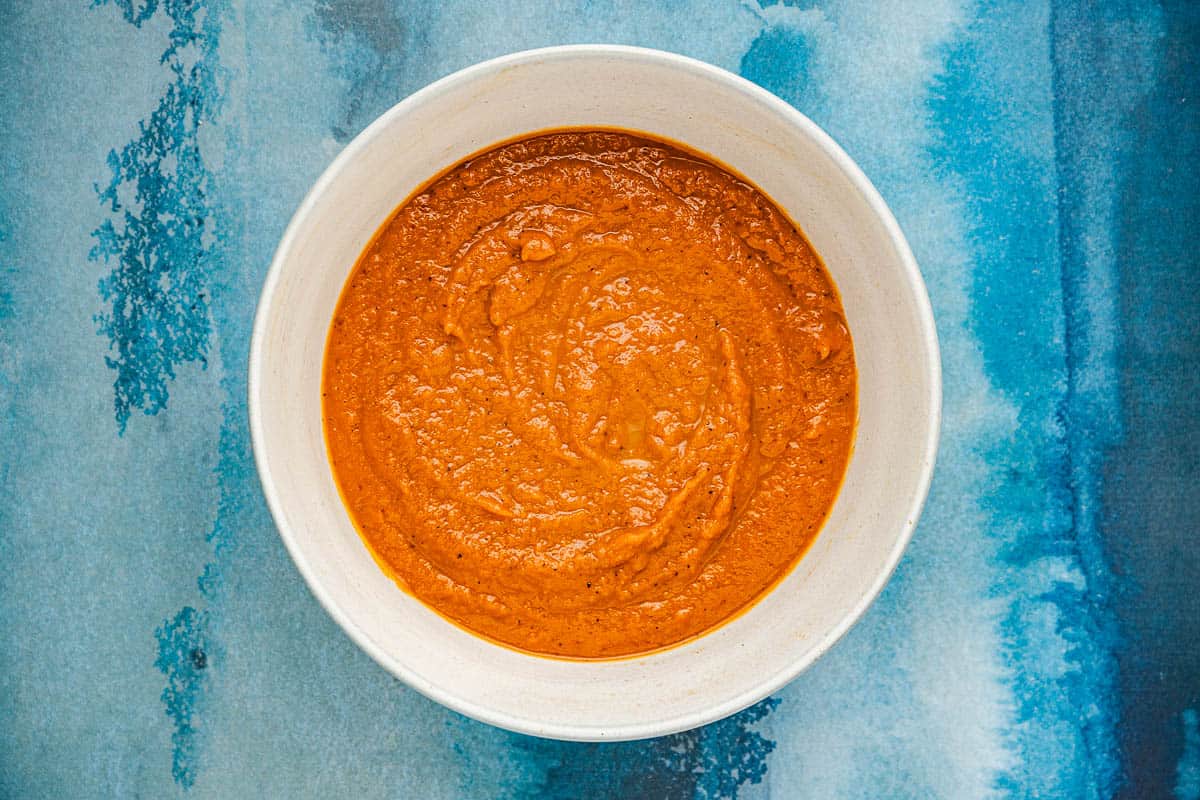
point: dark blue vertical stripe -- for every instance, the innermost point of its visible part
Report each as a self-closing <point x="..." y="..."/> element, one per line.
<point x="160" y="243"/>
<point x="1151" y="510"/>
<point x="1128" y="156"/>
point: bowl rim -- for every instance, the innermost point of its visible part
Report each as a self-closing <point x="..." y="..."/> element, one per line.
<point x="931" y="366"/>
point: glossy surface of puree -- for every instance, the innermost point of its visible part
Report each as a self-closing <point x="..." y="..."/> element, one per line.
<point x="589" y="394"/>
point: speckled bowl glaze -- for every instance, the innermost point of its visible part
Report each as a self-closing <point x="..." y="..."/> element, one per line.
<point x="889" y="315"/>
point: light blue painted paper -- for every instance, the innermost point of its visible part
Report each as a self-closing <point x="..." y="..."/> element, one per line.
<point x="1040" y="637"/>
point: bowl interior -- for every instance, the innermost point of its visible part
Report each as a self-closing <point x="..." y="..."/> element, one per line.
<point x="793" y="162"/>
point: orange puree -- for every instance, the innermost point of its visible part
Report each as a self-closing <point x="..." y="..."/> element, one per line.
<point x="589" y="394"/>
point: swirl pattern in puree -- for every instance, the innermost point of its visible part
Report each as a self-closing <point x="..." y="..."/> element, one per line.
<point x="589" y="394"/>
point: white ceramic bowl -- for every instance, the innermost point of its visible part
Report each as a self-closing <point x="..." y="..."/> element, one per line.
<point x="888" y="311"/>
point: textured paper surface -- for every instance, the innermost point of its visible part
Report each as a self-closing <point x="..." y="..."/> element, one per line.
<point x="1042" y="635"/>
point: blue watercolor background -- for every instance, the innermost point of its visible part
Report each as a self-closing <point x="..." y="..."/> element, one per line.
<point x="1040" y="637"/>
